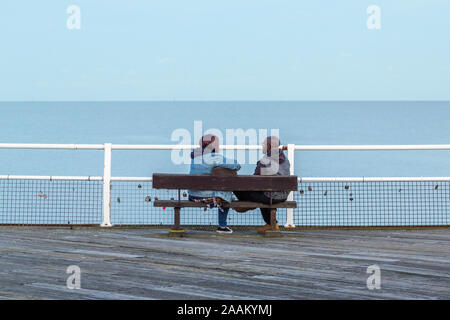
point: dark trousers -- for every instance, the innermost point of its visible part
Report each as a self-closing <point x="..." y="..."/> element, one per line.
<point x="258" y="196"/>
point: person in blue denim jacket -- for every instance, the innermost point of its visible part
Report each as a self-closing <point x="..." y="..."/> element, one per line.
<point x="203" y="160"/>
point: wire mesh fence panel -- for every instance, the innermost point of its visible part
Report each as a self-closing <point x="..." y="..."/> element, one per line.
<point x="59" y="202"/>
<point x="132" y="204"/>
<point x="328" y="203"/>
<point x="403" y="203"/>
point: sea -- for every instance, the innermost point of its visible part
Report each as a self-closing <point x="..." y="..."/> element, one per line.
<point x="301" y="123"/>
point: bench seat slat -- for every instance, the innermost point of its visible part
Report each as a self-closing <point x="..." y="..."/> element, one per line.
<point x="220" y="183"/>
<point x="234" y="204"/>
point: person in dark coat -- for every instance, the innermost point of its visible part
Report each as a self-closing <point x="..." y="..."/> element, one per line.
<point x="274" y="162"/>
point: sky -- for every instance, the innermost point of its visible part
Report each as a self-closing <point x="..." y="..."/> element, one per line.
<point x="224" y="50"/>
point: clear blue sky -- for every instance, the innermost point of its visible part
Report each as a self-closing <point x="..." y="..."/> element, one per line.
<point x="224" y="50"/>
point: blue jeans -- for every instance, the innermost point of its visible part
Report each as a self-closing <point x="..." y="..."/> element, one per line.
<point x="223" y="214"/>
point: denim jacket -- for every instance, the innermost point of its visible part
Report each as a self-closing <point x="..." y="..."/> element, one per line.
<point x="203" y="163"/>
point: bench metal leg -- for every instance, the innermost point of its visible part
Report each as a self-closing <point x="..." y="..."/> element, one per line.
<point x="176" y="230"/>
<point x="273" y="221"/>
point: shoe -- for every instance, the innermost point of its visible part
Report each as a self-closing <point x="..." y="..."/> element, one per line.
<point x="267" y="227"/>
<point x="243" y="209"/>
<point x="224" y="230"/>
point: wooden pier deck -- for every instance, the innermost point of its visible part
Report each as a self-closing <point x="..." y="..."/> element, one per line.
<point x="141" y="263"/>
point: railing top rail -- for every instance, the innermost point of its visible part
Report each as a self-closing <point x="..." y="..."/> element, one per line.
<point x="300" y="179"/>
<point x="179" y="147"/>
<point x="73" y="178"/>
<point x="373" y="147"/>
<point x="52" y="146"/>
<point x="223" y="147"/>
<point x="372" y="179"/>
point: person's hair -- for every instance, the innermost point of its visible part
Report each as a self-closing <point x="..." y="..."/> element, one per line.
<point x="273" y="141"/>
<point x="209" y="141"/>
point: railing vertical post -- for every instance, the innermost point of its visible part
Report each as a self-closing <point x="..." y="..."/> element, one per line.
<point x="107" y="187"/>
<point x="290" y="211"/>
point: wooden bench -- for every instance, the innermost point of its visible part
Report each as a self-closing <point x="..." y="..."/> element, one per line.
<point x="221" y="181"/>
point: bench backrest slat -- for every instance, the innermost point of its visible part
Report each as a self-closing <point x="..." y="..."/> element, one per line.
<point x="231" y="183"/>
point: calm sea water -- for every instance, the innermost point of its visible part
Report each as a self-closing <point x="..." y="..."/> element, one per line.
<point x="298" y="123"/>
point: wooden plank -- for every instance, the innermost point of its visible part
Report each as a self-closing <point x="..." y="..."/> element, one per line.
<point x="234" y="204"/>
<point x="223" y="183"/>
<point x="143" y="263"/>
<point x="223" y="172"/>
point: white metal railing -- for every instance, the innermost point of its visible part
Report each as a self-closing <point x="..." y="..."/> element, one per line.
<point x="291" y="148"/>
<point x="300" y="179"/>
<point x="373" y="147"/>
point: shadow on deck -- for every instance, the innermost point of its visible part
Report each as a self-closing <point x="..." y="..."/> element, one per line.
<point x="140" y="263"/>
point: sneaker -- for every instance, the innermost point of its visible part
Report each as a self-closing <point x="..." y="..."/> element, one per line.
<point x="224" y="230"/>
